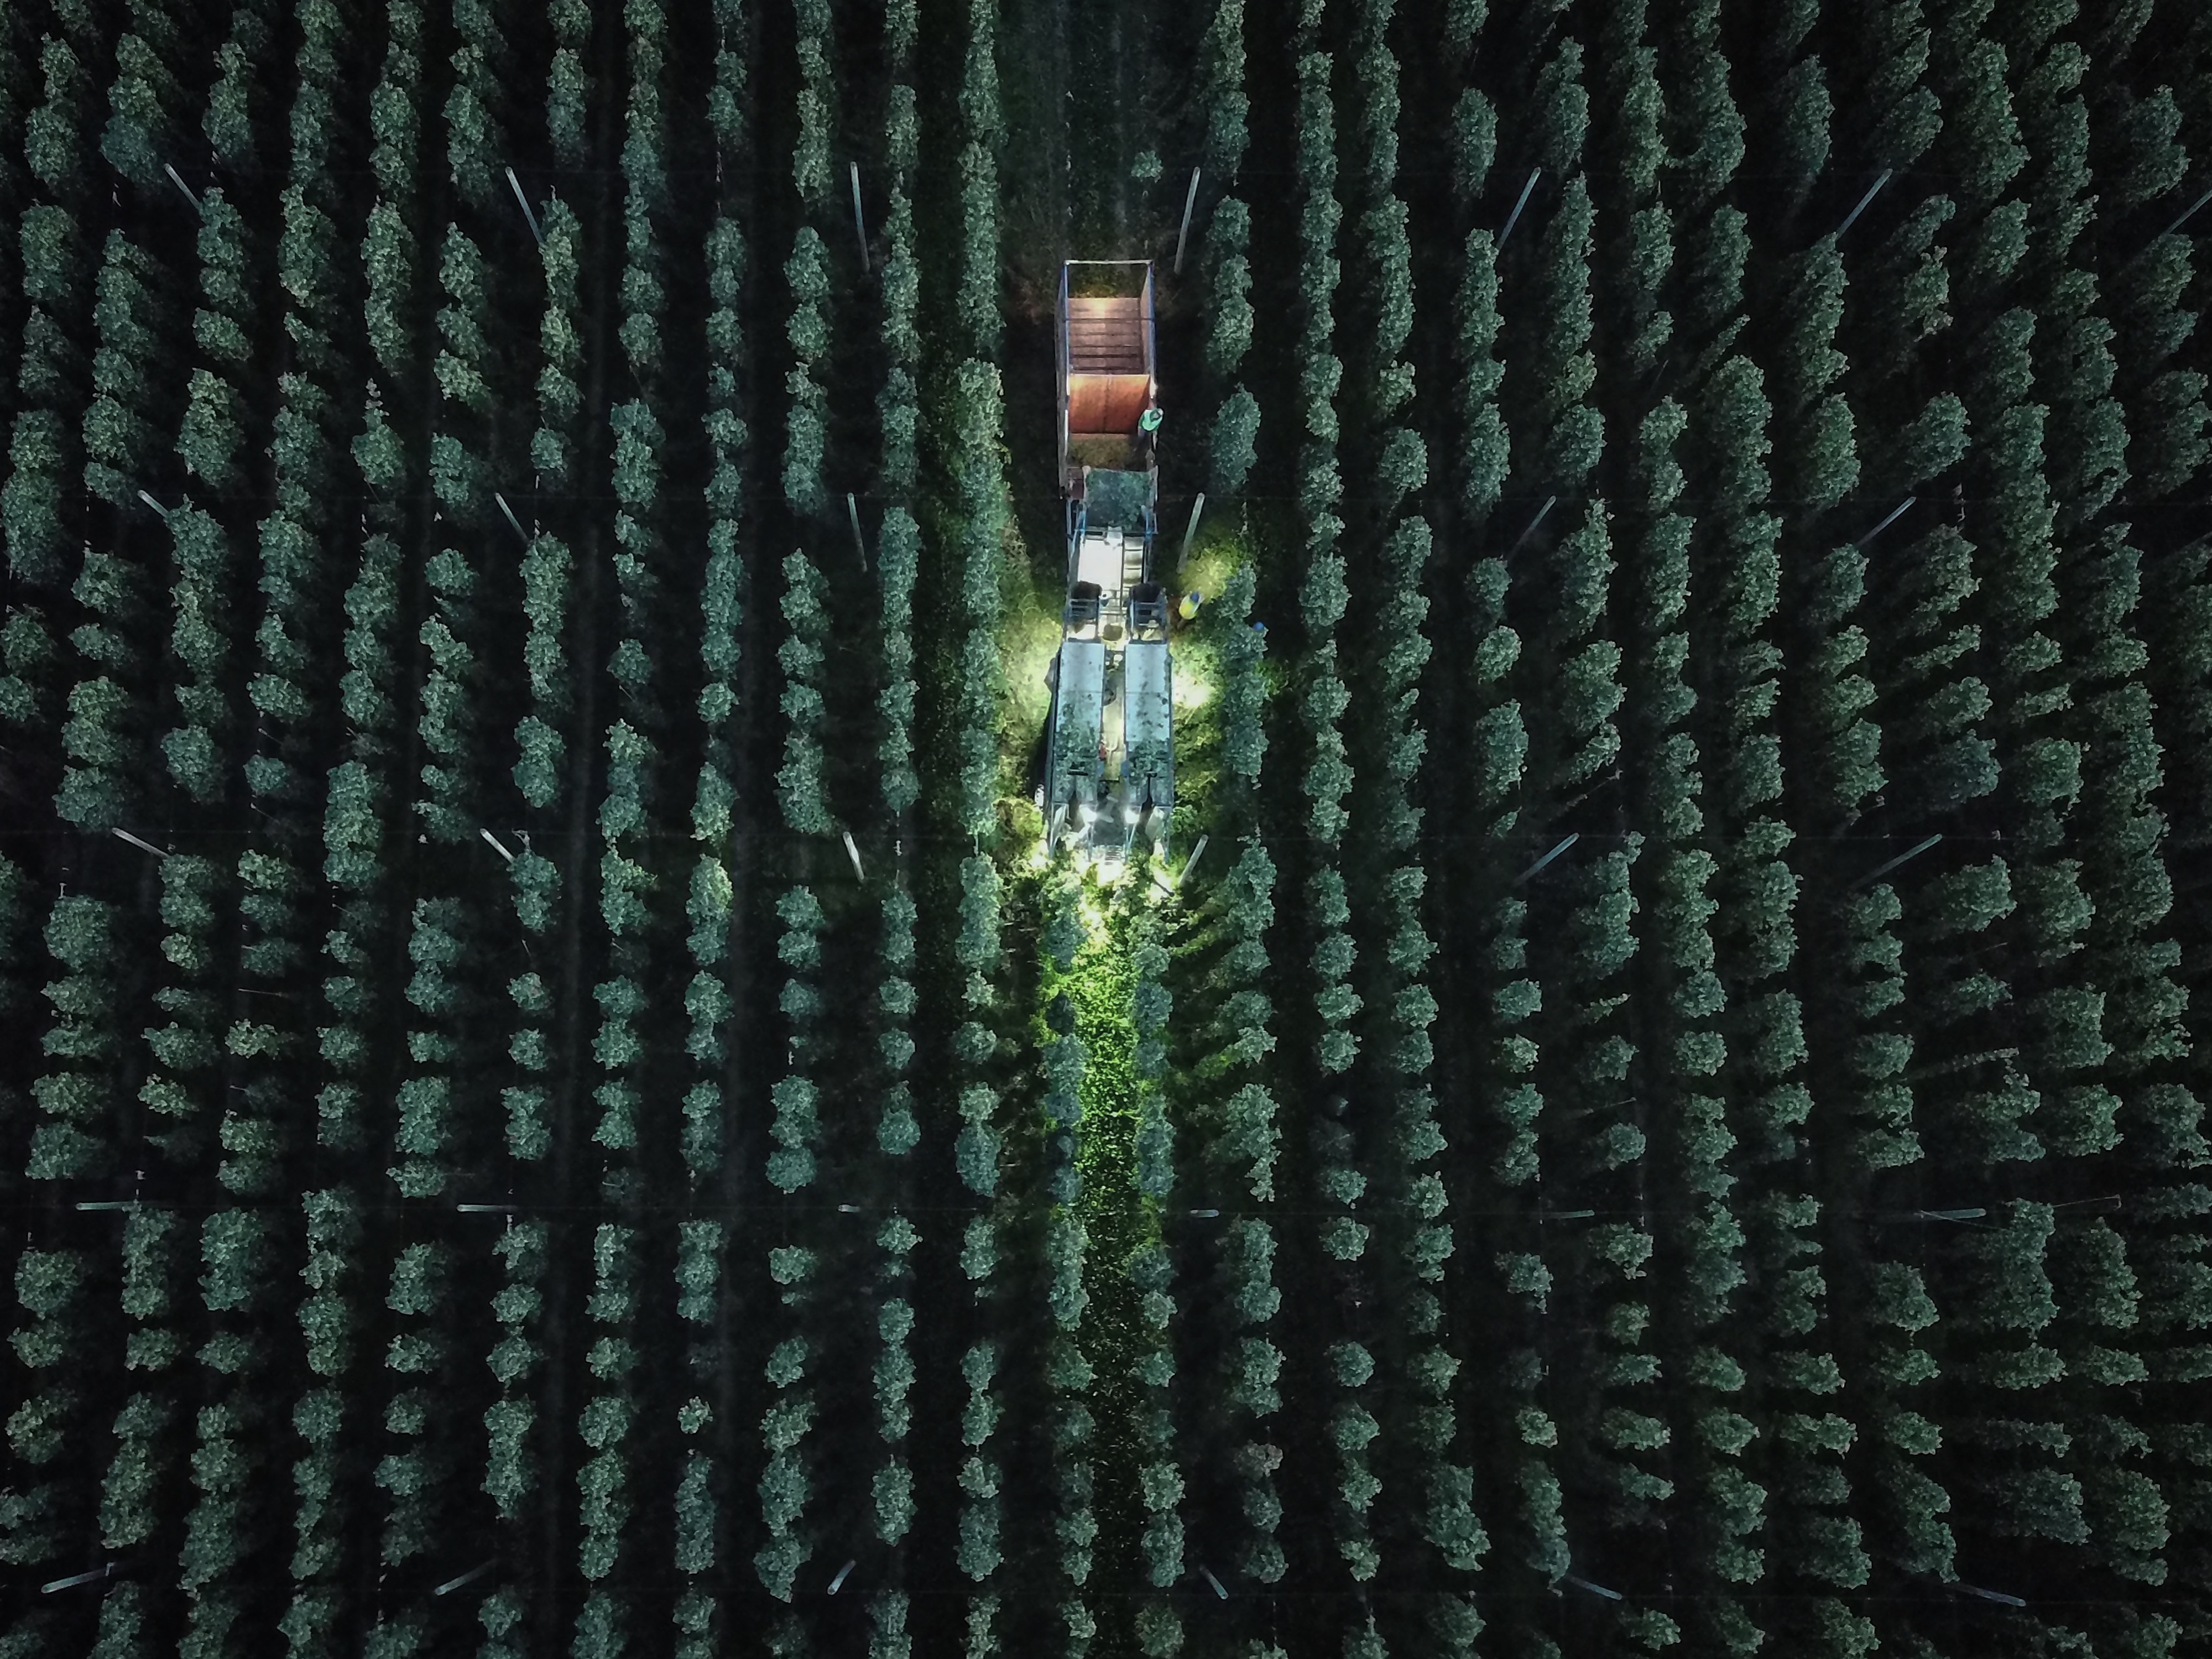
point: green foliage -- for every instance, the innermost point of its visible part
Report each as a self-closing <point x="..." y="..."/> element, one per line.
<point x="799" y="782"/>
<point x="1474" y="143"/>
<point x="143" y="102"/>
<point x="1228" y="286"/>
<point x="228" y="122"/>
<point x="538" y="773"/>
<point x="235" y="1248"/>
<point x="1254" y="1297"/>
<point x="1234" y="440"/>
<point x="976" y="298"/>
<point x="1249" y="1139"/>
<point x="1221" y="77"/>
<point x="796" y="1127"/>
<point x="51" y="142"/>
<point x="1562" y="111"/>
<point x="1717" y="1009"/>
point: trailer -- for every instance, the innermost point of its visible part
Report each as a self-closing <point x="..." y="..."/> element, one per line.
<point x="1110" y="771"/>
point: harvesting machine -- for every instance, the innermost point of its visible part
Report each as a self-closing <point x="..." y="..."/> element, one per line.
<point x="1109" y="770"/>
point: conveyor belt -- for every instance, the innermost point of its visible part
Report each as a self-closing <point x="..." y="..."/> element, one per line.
<point x="1106" y="336"/>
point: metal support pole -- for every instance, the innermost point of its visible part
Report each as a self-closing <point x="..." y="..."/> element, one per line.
<point x="1873" y="190"/>
<point x="496" y="847"/>
<point x="838" y="1582"/>
<point x="1190" y="201"/>
<point x="1196" y="853"/>
<point x="1595" y="1590"/>
<point x="179" y="182"/>
<point x="142" y="846"/>
<point x="860" y="225"/>
<point x="1895" y="514"/>
<point x="468" y="1578"/>
<point x="515" y="184"/>
<point x="1514" y="217"/>
<point x="1190" y="530"/>
<point x="511" y="519"/>
<point x="156" y="505"/>
<point x="1550" y="501"/>
<point x="1909" y="854"/>
<point x="1576" y="836"/>
<point x="853" y="512"/>
<point x="75" y="1579"/>
<point x="2188" y="213"/>
<point x="854" y="854"/>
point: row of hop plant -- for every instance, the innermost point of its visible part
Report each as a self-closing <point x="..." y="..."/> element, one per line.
<point x="634" y="765"/>
<point x="806" y="615"/>
<point x="898" y="544"/>
<point x="898" y="1130"/>
<point x="634" y="769"/>
<point x="1228" y="306"/>
<point x="983" y="136"/>
<point x="976" y="418"/>
<point x="548" y="569"/>
<point x="1149" y="1267"/>
<point x="979" y="490"/>
<point x="979" y="499"/>
<point x="1069" y="1373"/>
<point x="785" y="1484"/>
<point x="435" y="1097"/>
<point x="1324" y="700"/>
<point x="636" y="778"/>
<point x="796" y="1127"/>
<point x="700" y="1245"/>
<point x="807" y="428"/>
<point x="604" y="1422"/>
<point x="800" y="1094"/>
<point x="722" y="614"/>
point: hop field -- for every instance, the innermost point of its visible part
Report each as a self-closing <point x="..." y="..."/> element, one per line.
<point x="553" y="1105"/>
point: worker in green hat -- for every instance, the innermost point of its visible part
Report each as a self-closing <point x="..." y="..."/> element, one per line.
<point x="1148" y="429"/>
